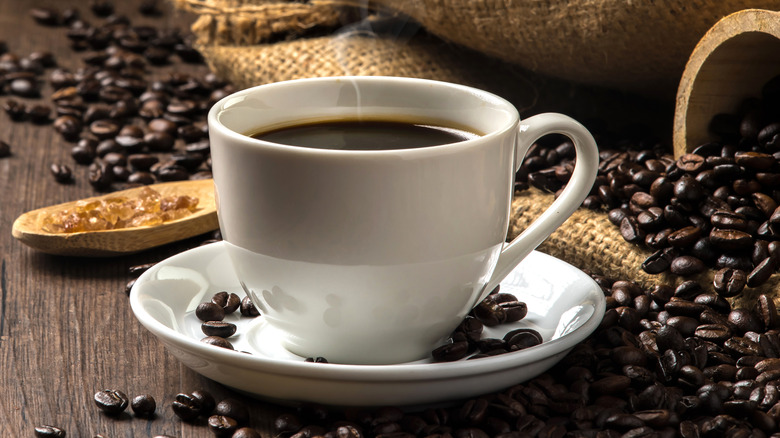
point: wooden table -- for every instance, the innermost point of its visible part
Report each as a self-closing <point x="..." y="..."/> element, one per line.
<point x="66" y="328"/>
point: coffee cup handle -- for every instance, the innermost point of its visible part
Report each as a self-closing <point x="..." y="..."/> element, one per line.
<point x="571" y="198"/>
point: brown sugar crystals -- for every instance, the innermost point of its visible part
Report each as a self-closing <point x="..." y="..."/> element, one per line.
<point x="148" y="208"/>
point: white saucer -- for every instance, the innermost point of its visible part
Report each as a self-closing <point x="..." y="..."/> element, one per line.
<point x="564" y="304"/>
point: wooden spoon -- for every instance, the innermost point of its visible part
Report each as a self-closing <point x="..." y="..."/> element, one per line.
<point x="27" y="227"/>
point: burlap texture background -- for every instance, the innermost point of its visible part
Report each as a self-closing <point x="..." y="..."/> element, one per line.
<point x="639" y="46"/>
<point x="590" y="242"/>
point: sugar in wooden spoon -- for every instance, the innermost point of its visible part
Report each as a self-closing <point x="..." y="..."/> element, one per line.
<point x="29" y="227"/>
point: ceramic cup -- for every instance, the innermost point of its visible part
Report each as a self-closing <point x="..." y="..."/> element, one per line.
<point x="374" y="257"/>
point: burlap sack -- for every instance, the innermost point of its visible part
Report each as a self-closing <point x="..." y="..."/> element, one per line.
<point x="590" y="242"/>
<point x="640" y="46"/>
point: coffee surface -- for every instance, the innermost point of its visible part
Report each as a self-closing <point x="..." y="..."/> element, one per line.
<point x="364" y="135"/>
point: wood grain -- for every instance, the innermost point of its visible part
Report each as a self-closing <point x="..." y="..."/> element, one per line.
<point x="733" y="60"/>
<point x="66" y="329"/>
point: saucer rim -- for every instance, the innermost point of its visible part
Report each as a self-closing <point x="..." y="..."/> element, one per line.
<point x="402" y="372"/>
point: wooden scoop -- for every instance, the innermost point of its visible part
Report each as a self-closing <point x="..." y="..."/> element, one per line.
<point x="733" y="60"/>
<point x="27" y="227"/>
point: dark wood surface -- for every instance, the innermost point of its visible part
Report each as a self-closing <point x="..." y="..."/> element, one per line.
<point x="66" y="328"/>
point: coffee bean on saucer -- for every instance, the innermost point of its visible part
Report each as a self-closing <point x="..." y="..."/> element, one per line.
<point x="217" y="342"/>
<point x="111" y="401"/>
<point x="514" y="310"/>
<point x="143" y="405"/>
<point x="210" y="312"/>
<point x="46" y="431"/>
<point x="489" y="312"/>
<point x="450" y="352"/>
<point x="228" y="301"/>
<point x="318" y="359"/>
<point x="218" y="328"/>
<point x="248" y="308"/>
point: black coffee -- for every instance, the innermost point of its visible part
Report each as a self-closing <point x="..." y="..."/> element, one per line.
<point x="364" y="135"/>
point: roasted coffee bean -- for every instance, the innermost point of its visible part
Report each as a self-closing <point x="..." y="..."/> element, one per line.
<point x="450" y="352"/>
<point x="69" y="127"/>
<point x="143" y="178"/>
<point x="218" y="328"/>
<point x="631" y="231"/>
<point x="143" y="405"/>
<point x="24" y="87"/>
<point x="686" y="265"/>
<point x="188" y="408"/>
<point x="111" y="401"/>
<point x="514" y="310"/>
<point x="729" y="282"/>
<point x="766" y="310"/>
<point x="743" y="320"/>
<point x="228" y="301"/>
<point x="16" y="111"/>
<point x="247" y="307"/>
<point x="246" y="432"/>
<point x="218" y="341"/>
<point x="46" y="431"/>
<point x="62" y="173"/>
<point x="39" y="114"/>
<point x="713" y="332"/>
<point x="222" y="426"/>
<point x="659" y="261"/>
<point x="46" y="16"/>
<point x="210" y="311"/>
<point x="761" y="273"/>
<point x="234" y="409"/>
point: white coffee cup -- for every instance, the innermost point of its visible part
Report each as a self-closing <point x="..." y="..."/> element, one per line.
<point x="374" y="257"/>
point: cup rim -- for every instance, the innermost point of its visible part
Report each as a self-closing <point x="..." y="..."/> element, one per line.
<point x="215" y="124"/>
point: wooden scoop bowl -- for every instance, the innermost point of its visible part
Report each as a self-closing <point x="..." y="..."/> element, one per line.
<point x="733" y="60"/>
<point x="27" y="227"/>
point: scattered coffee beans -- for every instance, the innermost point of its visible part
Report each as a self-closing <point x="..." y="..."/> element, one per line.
<point x="46" y="431"/>
<point x="496" y="309"/>
<point x="116" y="98"/>
<point x="143" y="405"/>
<point x="713" y="208"/>
<point x="111" y="401"/>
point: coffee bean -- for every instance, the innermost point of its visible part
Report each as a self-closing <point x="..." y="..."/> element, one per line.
<point x="218" y="341"/>
<point x="46" y="431"/>
<point x="686" y="265"/>
<point x="210" y="312"/>
<point x="228" y="301"/>
<point x="729" y="282"/>
<point x="218" y="328"/>
<point x="111" y="401"/>
<point x="247" y="307"/>
<point x="744" y="320"/>
<point x="62" y="173"/>
<point x="46" y="16"/>
<point x="24" y="87"/>
<point x="234" y="409"/>
<point x="143" y="405"/>
<point x="761" y="273"/>
<point x="450" y="352"/>
<point x="222" y="426"/>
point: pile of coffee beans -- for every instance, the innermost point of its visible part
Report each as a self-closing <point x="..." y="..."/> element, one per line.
<point x="713" y="208"/>
<point x="131" y="117"/>
<point x="496" y="309"/>
<point x="213" y="312"/>
<point x="664" y="362"/>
